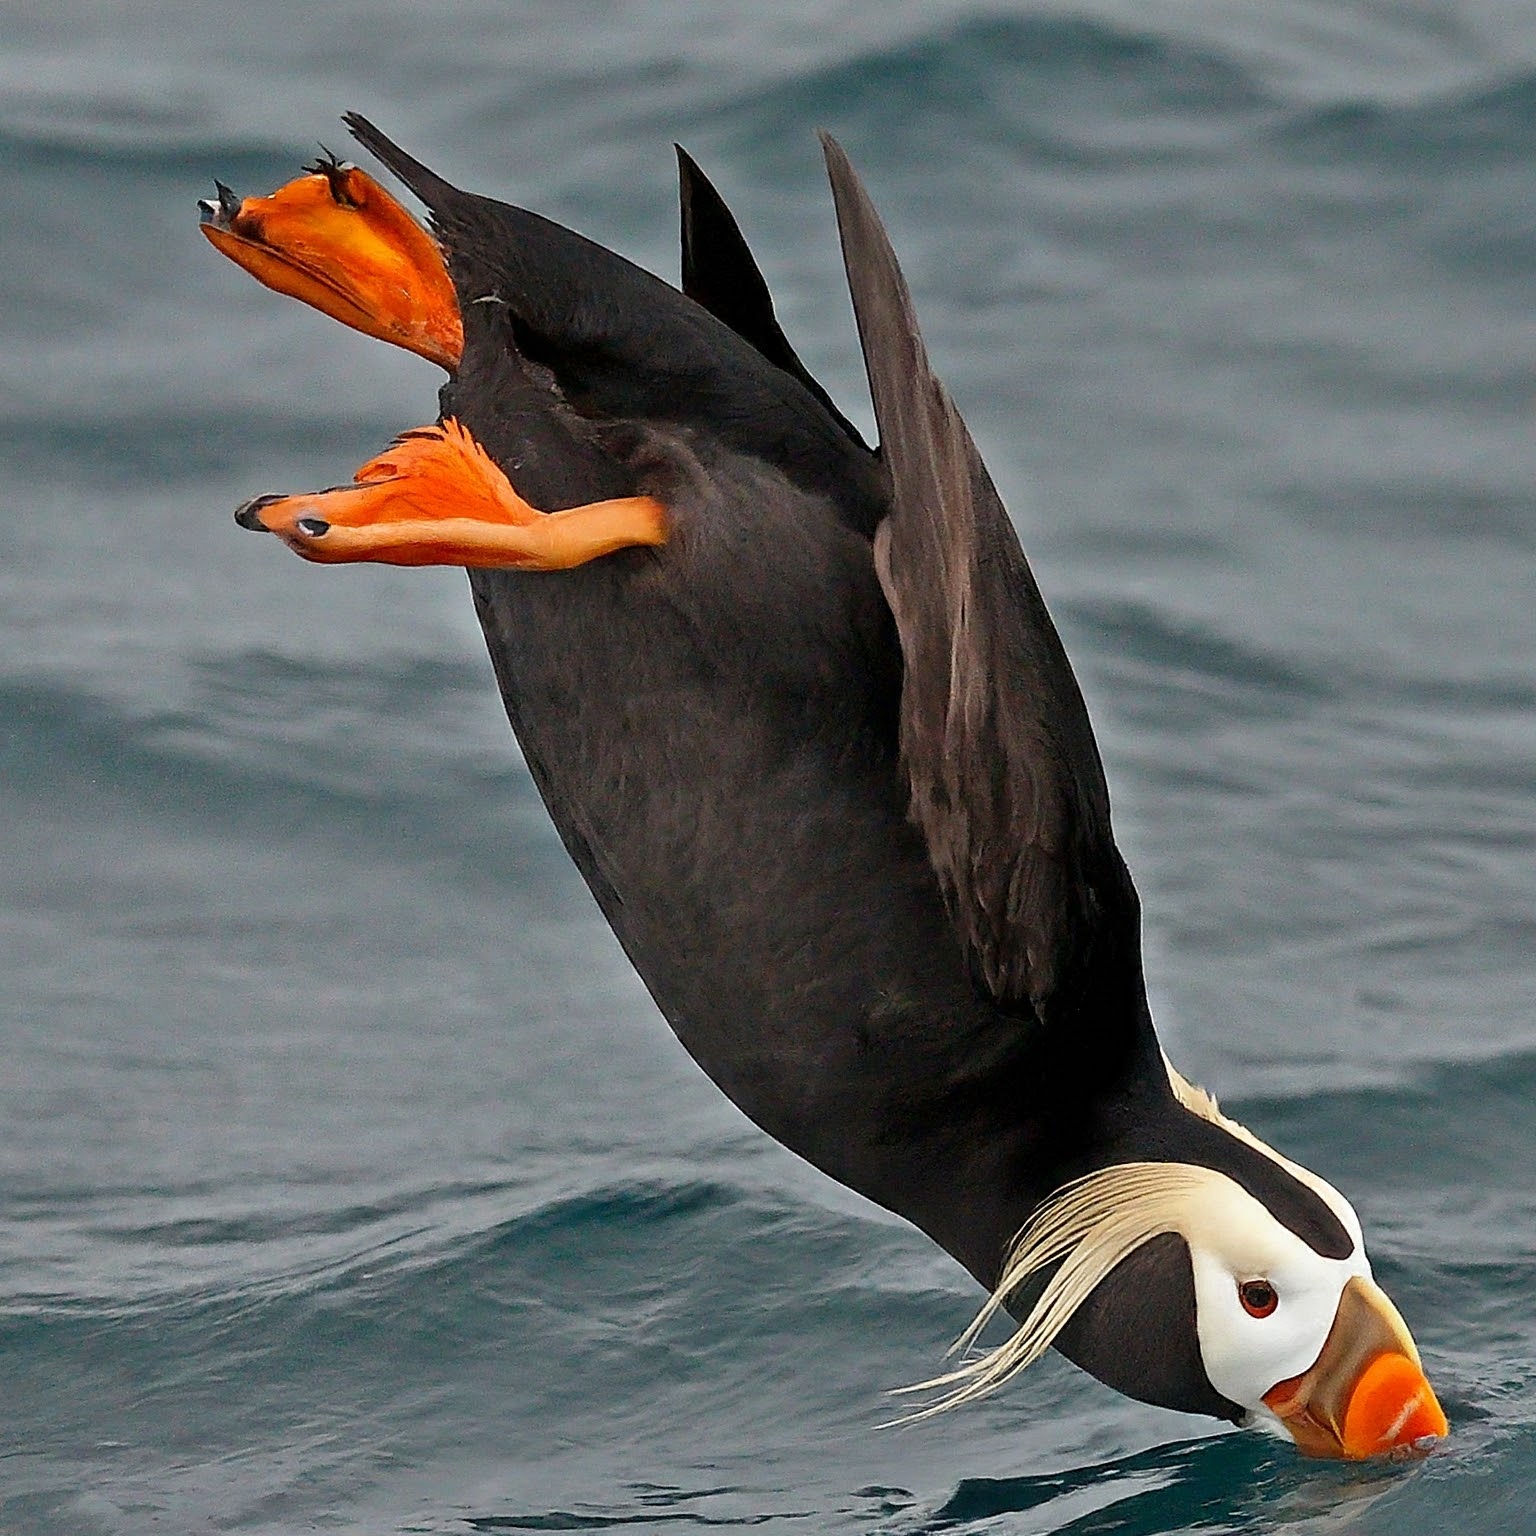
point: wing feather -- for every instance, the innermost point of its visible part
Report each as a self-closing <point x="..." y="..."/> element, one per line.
<point x="1005" y="777"/>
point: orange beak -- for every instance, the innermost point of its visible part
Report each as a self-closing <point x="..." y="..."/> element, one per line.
<point x="1366" y="1393"/>
<point x="337" y="240"/>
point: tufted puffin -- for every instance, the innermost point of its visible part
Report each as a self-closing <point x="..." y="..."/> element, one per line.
<point x="801" y="718"/>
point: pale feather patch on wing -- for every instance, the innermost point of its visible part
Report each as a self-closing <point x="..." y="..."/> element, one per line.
<point x="1086" y="1228"/>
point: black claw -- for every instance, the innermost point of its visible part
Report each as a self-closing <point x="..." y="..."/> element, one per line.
<point x="248" y="514"/>
<point x="335" y="171"/>
<point x="219" y="212"/>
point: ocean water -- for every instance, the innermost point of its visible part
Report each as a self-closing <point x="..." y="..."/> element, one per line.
<point x="349" y="1181"/>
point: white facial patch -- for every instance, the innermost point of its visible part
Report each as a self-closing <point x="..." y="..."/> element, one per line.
<point x="1234" y="1238"/>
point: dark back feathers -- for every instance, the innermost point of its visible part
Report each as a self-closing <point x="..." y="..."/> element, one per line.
<point x="623" y="345"/>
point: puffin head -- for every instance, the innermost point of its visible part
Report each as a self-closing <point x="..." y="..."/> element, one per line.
<point x="1302" y="1342"/>
<point x="1241" y="1291"/>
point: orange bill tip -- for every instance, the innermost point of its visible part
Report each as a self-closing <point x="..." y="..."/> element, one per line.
<point x="1366" y="1393"/>
<point x="336" y="240"/>
<point x="1392" y="1407"/>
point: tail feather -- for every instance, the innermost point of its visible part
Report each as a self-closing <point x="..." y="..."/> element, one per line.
<point x="720" y="272"/>
<point x="431" y="188"/>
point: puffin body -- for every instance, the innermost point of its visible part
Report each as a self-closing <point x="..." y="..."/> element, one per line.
<point x="802" y="720"/>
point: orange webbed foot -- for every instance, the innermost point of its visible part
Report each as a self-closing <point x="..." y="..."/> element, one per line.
<point x="437" y="498"/>
<point x="337" y="240"/>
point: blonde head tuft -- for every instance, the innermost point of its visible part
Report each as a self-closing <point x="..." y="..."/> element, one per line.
<point x="1092" y="1224"/>
<point x="1085" y="1228"/>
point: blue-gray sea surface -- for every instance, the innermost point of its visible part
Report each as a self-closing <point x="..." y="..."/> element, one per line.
<point x="349" y="1180"/>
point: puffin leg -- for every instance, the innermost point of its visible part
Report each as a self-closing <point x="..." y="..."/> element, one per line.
<point x="337" y="240"/>
<point x="437" y="498"/>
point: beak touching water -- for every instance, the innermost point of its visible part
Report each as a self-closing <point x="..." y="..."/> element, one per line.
<point x="1366" y="1394"/>
<point x="337" y="240"/>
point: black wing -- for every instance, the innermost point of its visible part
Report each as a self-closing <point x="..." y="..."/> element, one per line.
<point x="720" y="273"/>
<point x="1005" y="778"/>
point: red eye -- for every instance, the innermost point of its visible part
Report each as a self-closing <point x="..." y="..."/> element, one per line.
<point x="1259" y="1297"/>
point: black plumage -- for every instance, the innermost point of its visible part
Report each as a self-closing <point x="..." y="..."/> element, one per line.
<point x="822" y="759"/>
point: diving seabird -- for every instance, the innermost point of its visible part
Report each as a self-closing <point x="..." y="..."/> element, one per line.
<point x="802" y="720"/>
